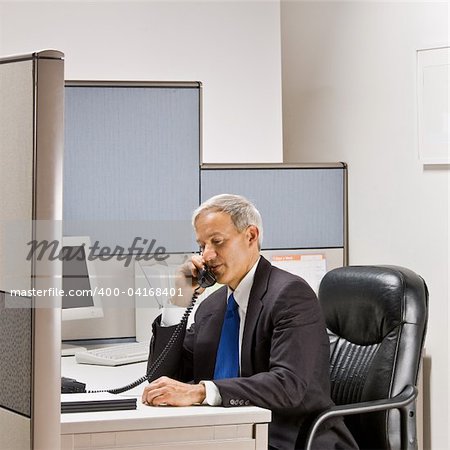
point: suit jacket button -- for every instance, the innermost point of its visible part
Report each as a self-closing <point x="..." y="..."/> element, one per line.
<point x="241" y="402"/>
<point x="247" y="402"/>
<point x="232" y="402"/>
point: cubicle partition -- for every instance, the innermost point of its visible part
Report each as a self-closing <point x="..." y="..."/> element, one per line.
<point x="133" y="169"/>
<point x="131" y="162"/>
<point x="303" y="206"/>
<point x="31" y="131"/>
<point x="304" y="213"/>
<point x="131" y="175"/>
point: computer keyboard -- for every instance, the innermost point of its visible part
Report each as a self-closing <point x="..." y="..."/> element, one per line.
<point x="115" y="355"/>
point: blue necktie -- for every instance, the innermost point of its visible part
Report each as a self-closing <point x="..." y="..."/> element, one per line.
<point x="227" y="359"/>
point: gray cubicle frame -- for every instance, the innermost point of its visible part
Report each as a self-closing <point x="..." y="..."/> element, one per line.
<point x="305" y="166"/>
<point x="46" y="214"/>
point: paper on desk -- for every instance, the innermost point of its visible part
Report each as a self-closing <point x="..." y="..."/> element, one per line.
<point x="83" y="396"/>
<point x="310" y="267"/>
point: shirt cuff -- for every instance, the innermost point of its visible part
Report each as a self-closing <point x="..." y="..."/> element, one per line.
<point x="213" y="397"/>
<point x="171" y="316"/>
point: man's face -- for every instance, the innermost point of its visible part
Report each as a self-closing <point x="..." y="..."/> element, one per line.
<point x="229" y="253"/>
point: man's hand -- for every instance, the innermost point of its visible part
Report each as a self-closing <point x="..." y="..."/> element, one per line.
<point x="186" y="281"/>
<point x="165" y="391"/>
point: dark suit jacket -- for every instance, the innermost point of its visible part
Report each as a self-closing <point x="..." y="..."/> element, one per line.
<point x="284" y="357"/>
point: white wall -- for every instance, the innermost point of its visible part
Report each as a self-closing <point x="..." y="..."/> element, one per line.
<point x="349" y="91"/>
<point x="232" y="47"/>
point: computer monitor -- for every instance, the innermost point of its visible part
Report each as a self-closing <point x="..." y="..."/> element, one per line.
<point x="81" y="299"/>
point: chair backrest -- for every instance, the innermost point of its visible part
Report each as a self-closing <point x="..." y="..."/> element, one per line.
<point x="376" y="318"/>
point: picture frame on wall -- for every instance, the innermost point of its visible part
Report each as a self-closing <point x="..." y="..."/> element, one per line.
<point x="433" y="89"/>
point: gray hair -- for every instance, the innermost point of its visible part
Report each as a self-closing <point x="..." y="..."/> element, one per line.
<point x="242" y="212"/>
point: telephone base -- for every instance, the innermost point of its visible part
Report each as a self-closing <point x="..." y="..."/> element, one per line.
<point x="72" y="386"/>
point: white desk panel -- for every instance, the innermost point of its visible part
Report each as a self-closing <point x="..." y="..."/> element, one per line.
<point x="194" y="427"/>
<point x="160" y="417"/>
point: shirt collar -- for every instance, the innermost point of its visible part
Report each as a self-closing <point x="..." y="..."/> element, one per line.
<point x="242" y="292"/>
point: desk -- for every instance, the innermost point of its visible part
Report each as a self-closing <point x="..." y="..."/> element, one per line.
<point x="157" y="428"/>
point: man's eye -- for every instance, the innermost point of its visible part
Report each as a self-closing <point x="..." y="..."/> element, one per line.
<point x="217" y="242"/>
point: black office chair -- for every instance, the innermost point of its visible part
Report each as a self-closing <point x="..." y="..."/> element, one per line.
<point x="376" y="317"/>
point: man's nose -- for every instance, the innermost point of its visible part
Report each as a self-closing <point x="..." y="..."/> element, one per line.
<point x="208" y="254"/>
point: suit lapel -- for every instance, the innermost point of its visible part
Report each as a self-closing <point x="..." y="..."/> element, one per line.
<point x="254" y="308"/>
<point x="208" y="336"/>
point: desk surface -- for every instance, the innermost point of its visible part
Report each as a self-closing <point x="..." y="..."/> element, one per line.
<point x="144" y="417"/>
<point x="104" y="377"/>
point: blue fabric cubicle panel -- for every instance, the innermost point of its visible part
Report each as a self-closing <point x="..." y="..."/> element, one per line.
<point x="300" y="208"/>
<point x="131" y="164"/>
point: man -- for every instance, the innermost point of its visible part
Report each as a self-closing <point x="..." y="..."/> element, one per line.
<point x="259" y="340"/>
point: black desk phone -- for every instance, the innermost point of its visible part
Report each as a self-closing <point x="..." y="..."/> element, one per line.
<point x="205" y="278"/>
<point x="72" y="386"/>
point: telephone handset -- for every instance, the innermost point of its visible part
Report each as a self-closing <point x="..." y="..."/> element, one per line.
<point x="205" y="278"/>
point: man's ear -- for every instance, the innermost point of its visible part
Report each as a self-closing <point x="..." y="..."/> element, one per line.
<point x="252" y="234"/>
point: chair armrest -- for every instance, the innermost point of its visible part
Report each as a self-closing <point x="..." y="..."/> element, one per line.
<point x="400" y="401"/>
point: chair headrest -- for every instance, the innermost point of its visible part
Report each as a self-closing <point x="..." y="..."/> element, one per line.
<point x="364" y="303"/>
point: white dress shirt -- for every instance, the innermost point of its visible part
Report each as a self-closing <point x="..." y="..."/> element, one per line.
<point x="241" y="295"/>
